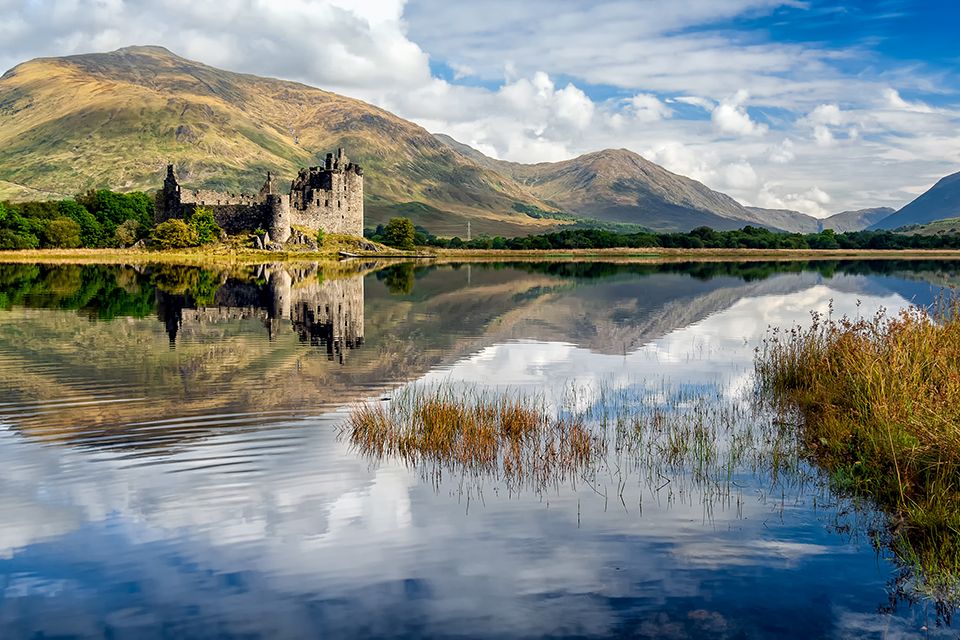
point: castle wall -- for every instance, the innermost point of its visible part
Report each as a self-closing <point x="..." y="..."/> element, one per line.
<point x="233" y="218"/>
<point x="337" y="210"/>
<point x="328" y="198"/>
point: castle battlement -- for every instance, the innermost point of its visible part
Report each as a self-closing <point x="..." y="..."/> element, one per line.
<point x="328" y="197"/>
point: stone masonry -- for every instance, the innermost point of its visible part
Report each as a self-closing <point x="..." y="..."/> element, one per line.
<point x="328" y="197"/>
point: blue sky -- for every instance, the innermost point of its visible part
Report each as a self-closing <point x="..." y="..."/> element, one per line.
<point x="802" y="104"/>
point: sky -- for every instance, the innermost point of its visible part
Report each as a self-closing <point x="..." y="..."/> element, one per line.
<point x="809" y="105"/>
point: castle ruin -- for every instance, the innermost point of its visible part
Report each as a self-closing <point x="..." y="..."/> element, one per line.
<point x="328" y="197"/>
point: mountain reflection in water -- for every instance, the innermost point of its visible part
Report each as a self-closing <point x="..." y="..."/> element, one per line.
<point x="172" y="465"/>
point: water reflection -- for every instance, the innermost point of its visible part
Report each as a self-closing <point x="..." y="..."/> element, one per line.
<point x="202" y="491"/>
<point x="321" y="312"/>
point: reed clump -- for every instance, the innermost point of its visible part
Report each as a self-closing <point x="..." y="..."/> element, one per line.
<point x="513" y="436"/>
<point x="879" y="403"/>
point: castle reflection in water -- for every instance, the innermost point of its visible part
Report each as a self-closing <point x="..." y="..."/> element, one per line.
<point x="322" y="313"/>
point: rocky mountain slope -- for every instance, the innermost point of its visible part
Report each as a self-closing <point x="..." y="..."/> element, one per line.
<point x="941" y="201"/>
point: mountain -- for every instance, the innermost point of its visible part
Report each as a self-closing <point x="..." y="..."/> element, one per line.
<point x="788" y="219"/>
<point x="941" y="201"/>
<point x="618" y="185"/>
<point x="857" y="220"/>
<point x="114" y="120"/>
<point x="796" y="222"/>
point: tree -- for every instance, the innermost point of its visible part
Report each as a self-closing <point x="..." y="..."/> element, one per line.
<point x="62" y="233"/>
<point x="10" y="239"/>
<point x="91" y="233"/>
<point x="320" y="237"/>
<point x="127" y="233"/>
<point x="175" y="234"/>
<point x="204" y="225"/>
<point x="399" y="233"/>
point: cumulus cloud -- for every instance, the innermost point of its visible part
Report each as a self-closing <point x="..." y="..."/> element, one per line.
<point x="813" y="201"/>
<point x="648" y="108"/>
<point x="591" y="75"/>
<point x="731" y="117"/>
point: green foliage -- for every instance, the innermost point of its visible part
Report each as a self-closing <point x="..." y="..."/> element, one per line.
<point x="62" y="233"/>
<point x="399" y="233"/>
<point x="702" y="237"/>
<point x="537" y="212"/>
<point x="97" y="214"/>
<point x="204" y="225"/>
<point x="127" y="233"/>
<point x="10" y="239"/>
<point x="175" y="234"/>
<point x="320" y="237"/>
<point x="91" y="231"/>
<point x="112" y="209"/>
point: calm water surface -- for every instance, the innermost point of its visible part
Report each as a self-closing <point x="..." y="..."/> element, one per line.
<point x="173" y="464"/>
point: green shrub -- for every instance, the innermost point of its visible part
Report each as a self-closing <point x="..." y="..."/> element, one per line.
<point x="175" y="234"/>
<point x="399" y="233"/>
<point x="320" y="237"/>
<point x="62" y="233"/>
<point x="127" y="233"/>
<point x="10" y="239"/>
<point x="205" y="226"/>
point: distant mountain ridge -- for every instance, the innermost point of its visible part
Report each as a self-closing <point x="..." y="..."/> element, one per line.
<point x="618" y="185"/>
<point x="939" y="202"/>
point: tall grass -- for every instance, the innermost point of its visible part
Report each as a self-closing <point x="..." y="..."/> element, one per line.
<point x="879" y="403"/>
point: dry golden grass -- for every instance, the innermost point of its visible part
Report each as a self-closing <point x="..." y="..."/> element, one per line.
<point x="879" y="404"/>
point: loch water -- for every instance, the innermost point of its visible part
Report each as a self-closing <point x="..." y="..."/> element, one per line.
<point x="174" y="464"/>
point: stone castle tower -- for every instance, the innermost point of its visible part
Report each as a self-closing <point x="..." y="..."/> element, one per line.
<point x="328" y="197"/>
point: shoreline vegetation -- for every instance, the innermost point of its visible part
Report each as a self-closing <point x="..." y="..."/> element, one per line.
<point x="231" y="255"/>
<point x="877" y="404"/>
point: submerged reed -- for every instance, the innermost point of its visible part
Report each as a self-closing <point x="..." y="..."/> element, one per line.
<point x="512" y="436"/>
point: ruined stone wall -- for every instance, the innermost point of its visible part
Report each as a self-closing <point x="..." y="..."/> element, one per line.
<point x="234" y="218"/>
<point x="337" y="210"/>
<point x="328" y="197"/>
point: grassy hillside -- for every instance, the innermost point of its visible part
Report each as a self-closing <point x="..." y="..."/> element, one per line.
<point x="115" y="119"/>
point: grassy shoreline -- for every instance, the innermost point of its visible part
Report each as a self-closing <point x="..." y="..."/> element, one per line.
<point x="878" y="405"/>
<point x="229" y="256"/>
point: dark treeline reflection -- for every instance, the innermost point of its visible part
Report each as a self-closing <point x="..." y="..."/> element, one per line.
<point x="109" y="291"/>
<point x="746" y="271"/>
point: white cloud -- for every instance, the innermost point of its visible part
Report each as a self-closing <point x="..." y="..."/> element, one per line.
<point x="813" y="201"/>
<point x="648" y="108"/>
<point x="731" y="117"/>
<point x="530" y="94"/>
<point x="894" y="101"/>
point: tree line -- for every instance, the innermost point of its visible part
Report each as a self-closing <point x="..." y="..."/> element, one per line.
<point x="401" y="233"/>
<point x="99" y="218"/>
